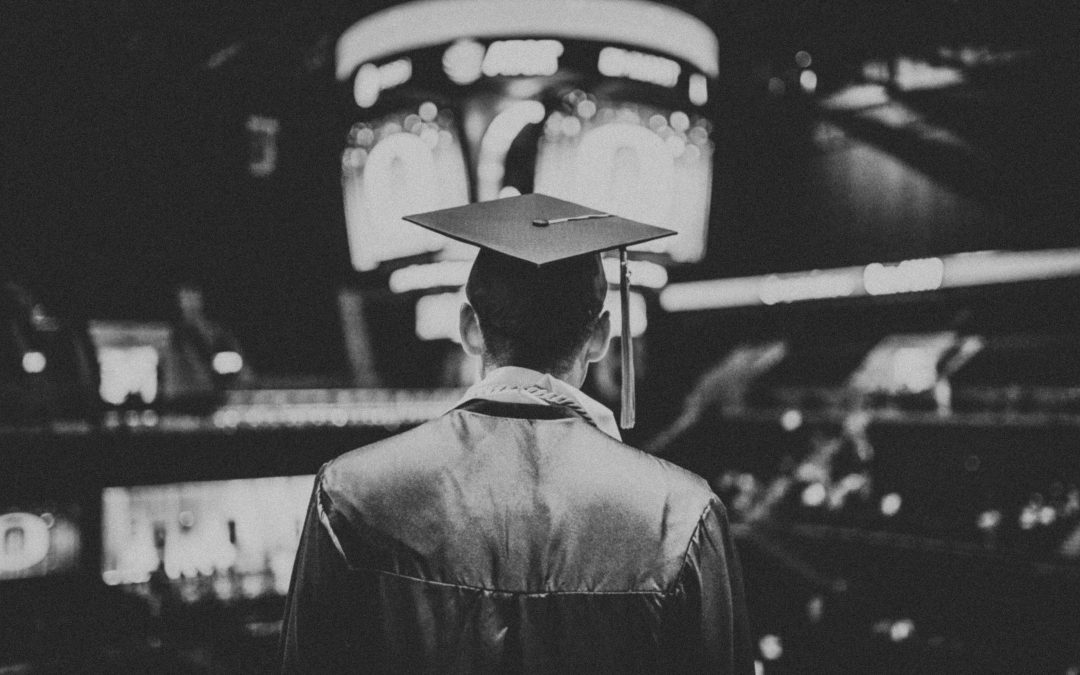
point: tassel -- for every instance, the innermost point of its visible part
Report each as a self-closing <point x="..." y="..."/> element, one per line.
<point x="628" y="412"/>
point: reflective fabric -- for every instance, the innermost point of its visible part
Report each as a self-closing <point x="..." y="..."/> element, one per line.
<point x="513" y="538"/>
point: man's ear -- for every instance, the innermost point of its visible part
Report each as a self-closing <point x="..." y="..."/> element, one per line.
<point x="599" y="339"/>
<point x="472" y="340"/>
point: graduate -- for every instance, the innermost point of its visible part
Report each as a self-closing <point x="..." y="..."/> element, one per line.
<point x="517" y="533"/>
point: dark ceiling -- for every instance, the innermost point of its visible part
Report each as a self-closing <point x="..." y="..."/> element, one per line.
<point x="107" y="107"/>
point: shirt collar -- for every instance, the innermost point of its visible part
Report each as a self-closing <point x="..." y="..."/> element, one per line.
<point x="509" y="383"/>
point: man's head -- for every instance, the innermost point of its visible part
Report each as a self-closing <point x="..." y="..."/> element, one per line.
<point x="546" y="318"/>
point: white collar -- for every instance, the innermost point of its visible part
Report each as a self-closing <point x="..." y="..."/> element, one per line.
<point x="510" y="384"/>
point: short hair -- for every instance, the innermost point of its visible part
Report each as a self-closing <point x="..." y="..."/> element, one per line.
<point x="535" y="317"/>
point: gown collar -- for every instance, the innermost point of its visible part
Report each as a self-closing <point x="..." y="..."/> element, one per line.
<point x="512" y="384"/>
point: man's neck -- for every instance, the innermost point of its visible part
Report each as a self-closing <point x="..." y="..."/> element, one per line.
<point x="575" y="377"/>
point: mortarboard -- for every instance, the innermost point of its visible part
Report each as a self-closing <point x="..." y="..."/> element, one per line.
<point x="540" y="229"/>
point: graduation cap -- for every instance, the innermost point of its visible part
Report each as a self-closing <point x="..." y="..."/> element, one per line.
<point x="542" y="230"/>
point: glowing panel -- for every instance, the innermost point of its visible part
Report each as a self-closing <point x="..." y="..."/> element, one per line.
<point x="400" y="165"/>
<point x="641" y="163"/>
<point x="38" y="541"/>
<point x="909" y="276"/>
<point x="956" y="271"/>
<point x="33" y="362"/>
<point x="699" y="89"/>
<point x="616" y="62"/>
<point x="262" y="145"/>
<point x="903" y="363"/>
<point x="496" y="142"/>
<point x="911" y="74"/>
<point x="227" y="363"/>
<point x="134" y="359"/>
<point x="639" y="321"/>
<point x="428" y="23"/>
<point x="24" y="541"/>
<point x="366" y="85"/>
<point x="628" y="168"/>
<point x="815" y="285"/>
<point x="995" y="267"/>
<point x="463" y="60"/>
<point x="240" y="535"/>
<point x="371" y="80"/>
<point x="856" y="97"/>
<point x="128" y="371"/>
<point x="712" y="294"/>
<point x="437" y="316"/>
<point x="522" y="57"/>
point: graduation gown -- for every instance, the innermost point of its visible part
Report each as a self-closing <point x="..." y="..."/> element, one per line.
<point x="512" y="537"/>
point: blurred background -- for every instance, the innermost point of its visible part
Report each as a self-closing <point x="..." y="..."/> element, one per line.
<point x="865" y="336"/>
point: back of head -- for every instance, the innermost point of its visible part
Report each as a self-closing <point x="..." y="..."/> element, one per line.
<point x="535" y="317"/>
